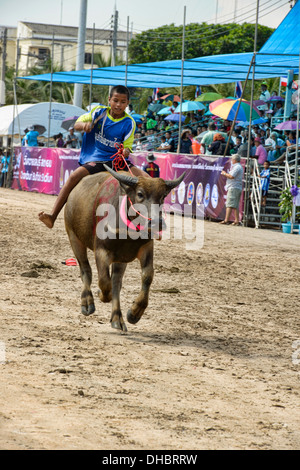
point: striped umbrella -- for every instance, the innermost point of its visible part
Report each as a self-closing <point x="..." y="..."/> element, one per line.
<point x="226" y="109"/>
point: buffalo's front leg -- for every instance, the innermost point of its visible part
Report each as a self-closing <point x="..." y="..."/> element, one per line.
<point x="141" y="302"/>
<point x="116" y="320"/>
<point x="80" y="251"/>
<point x="104" y="279"/>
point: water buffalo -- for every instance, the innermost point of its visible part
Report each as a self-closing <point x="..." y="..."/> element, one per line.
<point x="88" y="208"/>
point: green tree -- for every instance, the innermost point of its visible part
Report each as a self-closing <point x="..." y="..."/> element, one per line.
<point x="165" y="42"/>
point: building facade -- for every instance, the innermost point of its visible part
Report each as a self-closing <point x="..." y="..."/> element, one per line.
<point x="31" y="44"/>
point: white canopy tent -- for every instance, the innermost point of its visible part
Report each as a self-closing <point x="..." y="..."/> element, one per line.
<point x="15" y="119"/>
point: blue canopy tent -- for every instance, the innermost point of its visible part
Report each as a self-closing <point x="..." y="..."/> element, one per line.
<point x="276" y="57"/>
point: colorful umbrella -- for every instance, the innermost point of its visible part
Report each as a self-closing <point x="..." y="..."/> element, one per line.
<point x="287" y="126"/>
<point x="69" y="122"/>
<point x="255" y="121"/>
<point x="175" y="118"/>
<point x="188" y="106"/>
<point x="137" y="117"/>
<point x="209" y="97"/>
<point x="226" y="109"/>
<point x="276" y="98"/>
<point x="166" y="110"/>
<point x="39" y="128"/>
<point x="156" y="107"/>
<point x="170" y="98"/>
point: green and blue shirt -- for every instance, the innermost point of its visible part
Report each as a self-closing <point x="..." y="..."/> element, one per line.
<point x="102" y="142"/>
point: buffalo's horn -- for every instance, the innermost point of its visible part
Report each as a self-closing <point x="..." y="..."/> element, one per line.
<point x="128" y="180"/>
<point x="173" y="183"/>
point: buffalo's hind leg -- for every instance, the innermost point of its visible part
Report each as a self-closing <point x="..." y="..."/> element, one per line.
<point x="118" y="270"/>
<point x="80" y="251"/>
<point x="140" y="304"/>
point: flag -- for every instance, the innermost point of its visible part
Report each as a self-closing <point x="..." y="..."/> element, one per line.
<point x="283" y="81"/>
<point x="155" y="94"/>
<point x="238" y="89"/>
<point x="198" y="91"/>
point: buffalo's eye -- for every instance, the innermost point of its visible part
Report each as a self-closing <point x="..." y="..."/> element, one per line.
<point x="140" y="195"/>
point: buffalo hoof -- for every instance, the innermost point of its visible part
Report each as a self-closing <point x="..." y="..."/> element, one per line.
<point x="133" y="319"/>
<point x="117" y="325"/>
<point x="88" y="311"/>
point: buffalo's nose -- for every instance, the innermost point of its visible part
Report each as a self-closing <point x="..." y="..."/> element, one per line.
<point x="157" y="224"/>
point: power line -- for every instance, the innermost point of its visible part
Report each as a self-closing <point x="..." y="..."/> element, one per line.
<point x="219" y="23"/>
<point x="215" y="32"/>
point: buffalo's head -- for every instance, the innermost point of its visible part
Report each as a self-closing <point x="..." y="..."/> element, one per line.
<point x="146" y="197"/>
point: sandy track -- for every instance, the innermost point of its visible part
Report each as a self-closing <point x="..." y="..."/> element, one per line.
<point x="208" y="367"/>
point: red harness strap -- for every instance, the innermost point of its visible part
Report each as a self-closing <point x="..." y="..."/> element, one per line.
<point x="119" y="161"/>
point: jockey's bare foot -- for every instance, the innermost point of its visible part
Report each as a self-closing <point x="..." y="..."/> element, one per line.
<point x="47" y="219"/>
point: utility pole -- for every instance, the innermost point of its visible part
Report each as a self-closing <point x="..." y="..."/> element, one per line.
<point x="3" y="68"/>
<point x="115" y="38"/>
<point x="80" y="51"/>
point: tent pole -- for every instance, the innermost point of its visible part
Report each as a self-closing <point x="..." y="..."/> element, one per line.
<point x="238" y="108"/>
<point x="297" y="147"/>
<point x="51" y="83"/>
<point x="182" y="73"/>
<point x="127" y="45"/>
<point x="247" y="185"/>
<point x="92" y="65"/>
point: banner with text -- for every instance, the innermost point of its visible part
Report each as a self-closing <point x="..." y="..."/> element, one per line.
<point x="45" y="170"/>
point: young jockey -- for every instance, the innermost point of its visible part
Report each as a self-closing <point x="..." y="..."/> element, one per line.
<point x="104" y="127"/>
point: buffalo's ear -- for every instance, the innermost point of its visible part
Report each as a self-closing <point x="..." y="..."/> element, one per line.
<point x="171" y="184"/>
<point x="124" y="180"/>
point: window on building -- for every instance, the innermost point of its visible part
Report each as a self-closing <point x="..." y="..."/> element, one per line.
<point x="87" y="58"/>
<point x="43" y="53"/>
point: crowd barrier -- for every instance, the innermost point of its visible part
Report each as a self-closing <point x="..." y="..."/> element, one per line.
<point x="45" y="170"/>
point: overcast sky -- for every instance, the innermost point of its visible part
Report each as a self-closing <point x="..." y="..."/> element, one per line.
<point x="144" y="14"/>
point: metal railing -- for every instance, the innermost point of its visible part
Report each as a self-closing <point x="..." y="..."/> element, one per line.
<point x="256" y="194"/>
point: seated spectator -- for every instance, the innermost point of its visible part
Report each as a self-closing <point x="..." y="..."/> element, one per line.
<point x="204" y="130"/>
<point x="238" y="143"/>
<point x="164" y="145"/>
<point x="218" y="146"/>
<point x="275" y="147"/>
<point x="151" y="123"/>
<point x="170" y="141"/>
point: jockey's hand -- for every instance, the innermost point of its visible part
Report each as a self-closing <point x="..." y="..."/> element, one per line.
<point x="126" y="153"/>
<point x="83" y="126"/>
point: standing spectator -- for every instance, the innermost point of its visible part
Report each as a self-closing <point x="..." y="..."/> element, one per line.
<point x="261" y="154"/>
<point x="185" y="142"/>
<point x="234" y="186"/>
<point x="60" y="141"/>
<point x="151" y="168"/>
<point x="264" y="94"/>
<point x="31" y="137"/>
<point x="209" y="137"/>
<point x="265" y="182"/>
<point x="5" y="159"/>
<point x="71" y="140"/>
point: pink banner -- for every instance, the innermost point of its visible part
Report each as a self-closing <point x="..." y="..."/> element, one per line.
<point x="203" y="185"/>
<point x="45" y="170"/>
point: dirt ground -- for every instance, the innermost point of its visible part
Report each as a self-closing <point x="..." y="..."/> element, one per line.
<point x="211" y="365"/>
